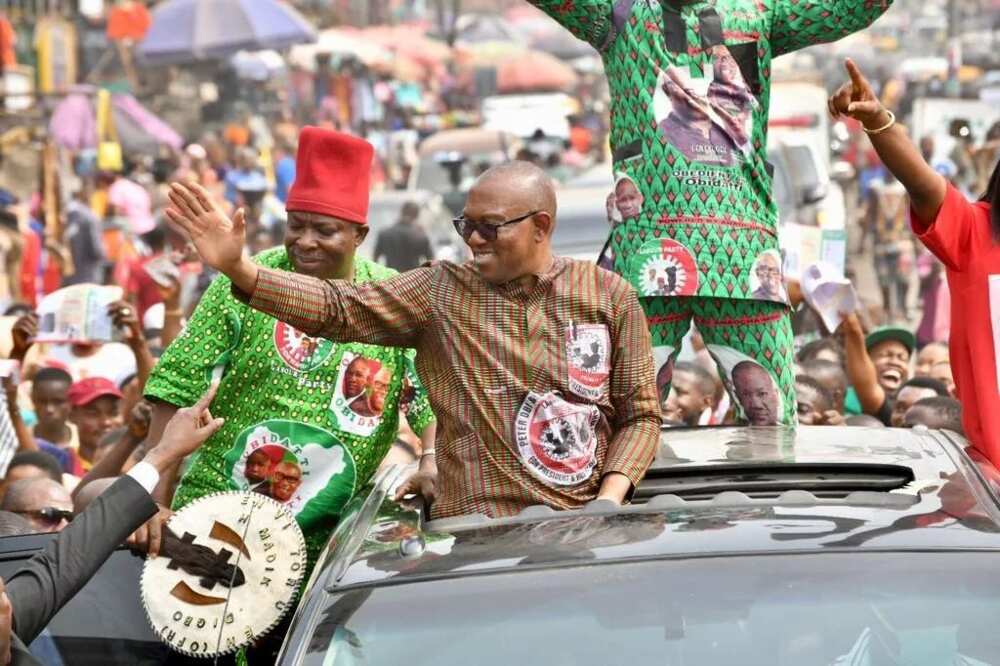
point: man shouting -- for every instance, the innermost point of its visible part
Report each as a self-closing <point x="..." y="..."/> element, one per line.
<point x="689" y="106"/>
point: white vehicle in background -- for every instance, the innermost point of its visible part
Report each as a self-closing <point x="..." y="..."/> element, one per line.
<point x="524" y="115"/>
<point x="934" y="117"/>
<point x="812" y="208"/>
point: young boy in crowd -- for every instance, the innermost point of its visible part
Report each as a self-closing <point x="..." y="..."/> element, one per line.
<point x="50" y="399"/>
<point x="96" y="410"/>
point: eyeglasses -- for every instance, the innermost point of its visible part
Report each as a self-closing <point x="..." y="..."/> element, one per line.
<point x="486" y="230"/>
<point x="49" y="514"/>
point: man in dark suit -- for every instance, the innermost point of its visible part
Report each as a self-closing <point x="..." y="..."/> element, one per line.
<point x="52" y="577"/>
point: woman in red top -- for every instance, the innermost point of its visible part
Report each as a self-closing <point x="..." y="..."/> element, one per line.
<point x="965" y="236"/>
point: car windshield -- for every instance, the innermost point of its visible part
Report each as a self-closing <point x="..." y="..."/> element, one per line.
<point x="918" y="609"/>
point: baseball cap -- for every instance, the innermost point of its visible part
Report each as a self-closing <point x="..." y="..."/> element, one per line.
<point x="896" y="333"/>
<point x="88" y="390"/>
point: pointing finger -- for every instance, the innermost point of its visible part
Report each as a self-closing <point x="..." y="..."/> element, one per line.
<point x="206" y="399"/>
<point x="857" y="78"/>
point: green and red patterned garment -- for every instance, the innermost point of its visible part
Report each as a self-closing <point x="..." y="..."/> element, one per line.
<point x="689" y="107"/>
<point x="307" y="421"/>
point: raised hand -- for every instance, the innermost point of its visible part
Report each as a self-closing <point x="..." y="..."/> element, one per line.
<point x="218" y="239"/>
<point x="124" y="316"/>
<point x="857" y="99"/>
<point x="187" y="429"/>
<point x="24" y="331"/>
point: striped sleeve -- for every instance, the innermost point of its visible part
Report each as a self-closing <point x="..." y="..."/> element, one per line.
<point x="633" y="388"/>
<point x="390" y="313"/>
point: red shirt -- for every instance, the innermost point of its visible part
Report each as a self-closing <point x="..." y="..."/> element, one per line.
<point x="962" y="239"/>
<point x="142" y="286"/>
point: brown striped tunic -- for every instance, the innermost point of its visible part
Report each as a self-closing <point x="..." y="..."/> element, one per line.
<point x="482" y="349"/>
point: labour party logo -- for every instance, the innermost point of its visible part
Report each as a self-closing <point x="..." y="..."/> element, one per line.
<point x="588" y="348"/>
<point x="298" y="350"/>
<point x="556" y="439"/>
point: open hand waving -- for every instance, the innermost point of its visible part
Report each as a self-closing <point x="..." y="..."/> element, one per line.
<point x="218" y="239"/>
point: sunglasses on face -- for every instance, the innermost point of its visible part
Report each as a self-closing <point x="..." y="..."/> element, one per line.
<point x="49" y="514"/>
<point x="487" y="230"/>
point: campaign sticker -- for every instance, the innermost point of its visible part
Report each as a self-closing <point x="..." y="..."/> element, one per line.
<point x="556" y="439"/>
<point x="664" y="267"/>
<point x="588" y="352"/>
<point x="299" y="351"/>
<point x="360" y="394"/>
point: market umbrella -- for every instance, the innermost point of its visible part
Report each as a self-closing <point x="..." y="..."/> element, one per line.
<point x="73" y="125"/>
<point x="340" y="42"/>
<point x="534" y="71"/>
<point x="190" y="30"/>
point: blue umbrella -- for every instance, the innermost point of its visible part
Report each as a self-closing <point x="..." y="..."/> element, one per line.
<point x="190" y="30"/>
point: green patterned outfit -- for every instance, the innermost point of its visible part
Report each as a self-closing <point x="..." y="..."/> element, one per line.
<point x="694" y="223"/>
<point x="307" y="421"/>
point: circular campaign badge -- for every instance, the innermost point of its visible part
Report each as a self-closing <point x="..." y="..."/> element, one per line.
<point x="664" y="267"/>
<point x="298" y="350"/>
<point x="229" y="567"/>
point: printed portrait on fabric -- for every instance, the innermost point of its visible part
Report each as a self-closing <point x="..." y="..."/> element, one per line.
<point x="750" y="385"/>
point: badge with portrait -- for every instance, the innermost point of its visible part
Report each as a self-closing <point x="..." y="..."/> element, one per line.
<point x="751" y="386"/>
<point x="301" y="466"/>
<point x="360" y="393"/>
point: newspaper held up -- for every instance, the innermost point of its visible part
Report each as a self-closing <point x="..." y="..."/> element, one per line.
<point x="78" y="314"/>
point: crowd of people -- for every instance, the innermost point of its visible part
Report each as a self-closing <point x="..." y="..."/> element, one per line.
<point x="517" y="378"/>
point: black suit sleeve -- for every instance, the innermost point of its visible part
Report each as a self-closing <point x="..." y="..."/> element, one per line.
<point x="52" y="577"/>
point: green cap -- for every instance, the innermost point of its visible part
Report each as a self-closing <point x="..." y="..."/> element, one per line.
<point x="896" y="333"/>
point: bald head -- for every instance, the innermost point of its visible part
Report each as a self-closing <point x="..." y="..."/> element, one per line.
<point x="509" y="219"/>
<point x="84" y="496"/>
<point x="530" y="184"/>
<point x="29" y="497"/>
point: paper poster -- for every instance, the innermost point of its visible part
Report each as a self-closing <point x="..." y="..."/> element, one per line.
<point x="833" y="249"/>
<point x="78" y="314"/>
<point x="995" y="318"/>
<point x="829" y="293"/>
<point x="830" y="299"/>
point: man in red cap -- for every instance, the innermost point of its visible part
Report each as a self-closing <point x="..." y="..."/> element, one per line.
<point x="279" y="387"/>
<point x="95" y="410"/>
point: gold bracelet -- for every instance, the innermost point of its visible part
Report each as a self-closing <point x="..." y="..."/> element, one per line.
<point x="173" y="313"/>
<point x="880" y="130"/>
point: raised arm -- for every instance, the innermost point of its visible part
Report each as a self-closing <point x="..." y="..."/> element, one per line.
<point x="589" y="20"/>
<point x="52" y="577"/>
<point x="393" y="312"/>
<point x="860" y="369"/>
<point x="797" y="24"/>
<point x="927" y="189"/>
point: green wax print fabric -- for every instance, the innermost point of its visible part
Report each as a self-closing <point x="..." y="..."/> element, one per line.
<point x="750" y="341"/>
<point x="690" y="85"/>
<point x="307" y="420"/>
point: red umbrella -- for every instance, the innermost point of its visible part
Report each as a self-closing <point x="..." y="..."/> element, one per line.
<point x="534" y="71"/>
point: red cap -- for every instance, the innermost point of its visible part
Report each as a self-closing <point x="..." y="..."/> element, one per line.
<point x="332" y="174"/>
<point x="88" y="390"/>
